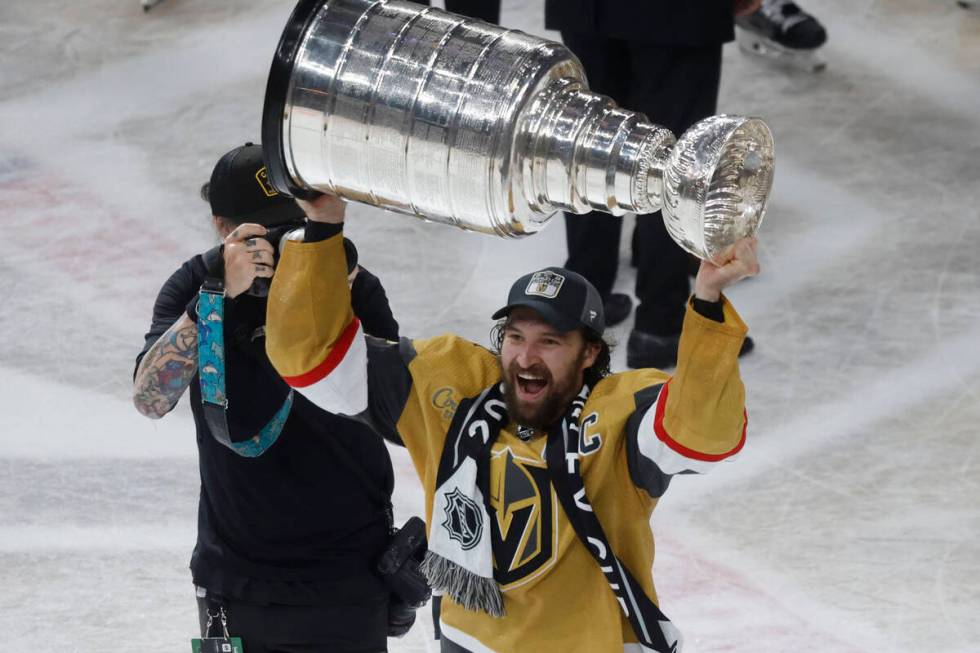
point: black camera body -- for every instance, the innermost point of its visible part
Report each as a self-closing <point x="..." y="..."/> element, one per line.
<point x="260" y="286"/>
<point x="275" y="236"/>
<point x="399" y="568"/>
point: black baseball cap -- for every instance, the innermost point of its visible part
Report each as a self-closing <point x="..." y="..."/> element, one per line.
<point x="565" y="299"/>
<point x="240" y="190"/>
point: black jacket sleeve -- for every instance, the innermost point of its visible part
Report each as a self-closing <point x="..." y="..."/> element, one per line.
<point x="370" y="304"/>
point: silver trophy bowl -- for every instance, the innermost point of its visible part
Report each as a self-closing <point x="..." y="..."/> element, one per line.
<point x="454" y="120"/>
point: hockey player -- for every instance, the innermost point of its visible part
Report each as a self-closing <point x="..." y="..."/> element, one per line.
<point x="540" y="469"/>
<point x="780" y="30"/>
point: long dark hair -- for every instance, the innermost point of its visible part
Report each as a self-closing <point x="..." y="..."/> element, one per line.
<point x="599" y="369"/>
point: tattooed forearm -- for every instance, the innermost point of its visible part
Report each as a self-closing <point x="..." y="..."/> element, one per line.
<point x="166" y="370"/>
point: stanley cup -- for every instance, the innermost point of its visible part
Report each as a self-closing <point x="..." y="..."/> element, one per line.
<point x="455" y="120"/>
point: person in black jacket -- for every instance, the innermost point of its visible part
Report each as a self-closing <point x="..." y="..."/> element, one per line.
<point x="289" y="532"/>
<point x="663" y="59"/>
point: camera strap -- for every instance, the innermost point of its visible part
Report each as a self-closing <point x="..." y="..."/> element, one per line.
<point x="211" y="372"/>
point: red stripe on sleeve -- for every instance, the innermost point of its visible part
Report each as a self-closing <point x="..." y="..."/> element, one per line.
<point x="330" y="363"/>
<point x="663" y="436"/>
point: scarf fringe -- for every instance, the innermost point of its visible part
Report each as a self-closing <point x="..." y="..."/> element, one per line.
<point x="471" y="591"/>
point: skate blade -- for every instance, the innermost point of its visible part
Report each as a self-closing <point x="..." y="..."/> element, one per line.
<point x="806" y="60"/>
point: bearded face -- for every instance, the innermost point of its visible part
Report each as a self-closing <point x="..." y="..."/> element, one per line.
<point x="542" y="368"/>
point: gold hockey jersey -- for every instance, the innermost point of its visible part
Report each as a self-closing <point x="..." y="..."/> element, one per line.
<point x="638" y="429"/>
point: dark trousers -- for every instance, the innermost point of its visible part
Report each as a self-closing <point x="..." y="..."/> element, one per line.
<point x="488" y="10"/>
<point x="674" y="86"/>
<point x="300" y="629"/>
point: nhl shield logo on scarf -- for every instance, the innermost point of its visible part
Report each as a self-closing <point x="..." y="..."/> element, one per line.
<point x="464" y="519"/>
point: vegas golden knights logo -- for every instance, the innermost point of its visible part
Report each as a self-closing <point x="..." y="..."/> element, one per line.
<point x="523" y="528"/>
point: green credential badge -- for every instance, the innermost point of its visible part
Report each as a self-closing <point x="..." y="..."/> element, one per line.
<point x="217" y="645"/>
<point x="226" y="644"/>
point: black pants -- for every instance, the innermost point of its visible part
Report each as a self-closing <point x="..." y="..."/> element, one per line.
<point x="488" y="10"/>
<point x="300" y="629"/>
<point x="675" y="87"/>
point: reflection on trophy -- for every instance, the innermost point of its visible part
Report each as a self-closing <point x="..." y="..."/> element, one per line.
<point x="454" y="120"/>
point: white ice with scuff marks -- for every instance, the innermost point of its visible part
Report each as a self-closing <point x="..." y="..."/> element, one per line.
<point x="849" y="523"/>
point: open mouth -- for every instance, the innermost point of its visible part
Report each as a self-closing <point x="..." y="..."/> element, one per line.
<point x="531" y="386"/>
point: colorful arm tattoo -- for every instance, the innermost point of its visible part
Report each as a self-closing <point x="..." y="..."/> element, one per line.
<point x="167" y="369"/>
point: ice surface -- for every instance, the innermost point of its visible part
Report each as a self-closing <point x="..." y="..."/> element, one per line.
<point x="849" y="523"/>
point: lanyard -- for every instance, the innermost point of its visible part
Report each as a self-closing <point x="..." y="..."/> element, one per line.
<point x="211" y="371"/>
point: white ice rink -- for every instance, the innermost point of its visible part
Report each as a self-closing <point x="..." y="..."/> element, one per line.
<point x="851" y="522"/>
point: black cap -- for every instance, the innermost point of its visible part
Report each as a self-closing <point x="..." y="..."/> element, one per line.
<point x="240" y="190"/>
<point x="565" y="299"/>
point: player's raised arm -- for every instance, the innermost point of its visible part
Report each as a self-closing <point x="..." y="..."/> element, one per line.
<point x="697" y="418"/>
<point x="313" y="337"/>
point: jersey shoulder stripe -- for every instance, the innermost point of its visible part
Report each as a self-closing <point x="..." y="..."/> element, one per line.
<point x="670" y="456"/>
<point x="333" y="360"/>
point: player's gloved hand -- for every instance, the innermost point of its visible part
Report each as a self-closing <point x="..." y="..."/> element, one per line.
<point x="247" y="256"/>
<point x="738" y="262"/>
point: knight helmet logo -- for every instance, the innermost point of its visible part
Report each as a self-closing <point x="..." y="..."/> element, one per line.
<point x="464" y="519"/>
<point x="523" y="519"/>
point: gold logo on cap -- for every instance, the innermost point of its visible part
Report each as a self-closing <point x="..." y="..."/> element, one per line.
<point x="262" y="176"/>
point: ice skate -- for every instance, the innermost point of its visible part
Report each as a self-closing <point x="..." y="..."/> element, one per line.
<point x="967" y="4"/>
<point x="784" y="33"/>
<point x="149" y="4"/>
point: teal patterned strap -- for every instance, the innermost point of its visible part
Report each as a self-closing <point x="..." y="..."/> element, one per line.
<point x="211" y="347"/>
<point x="211" y="371"/>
